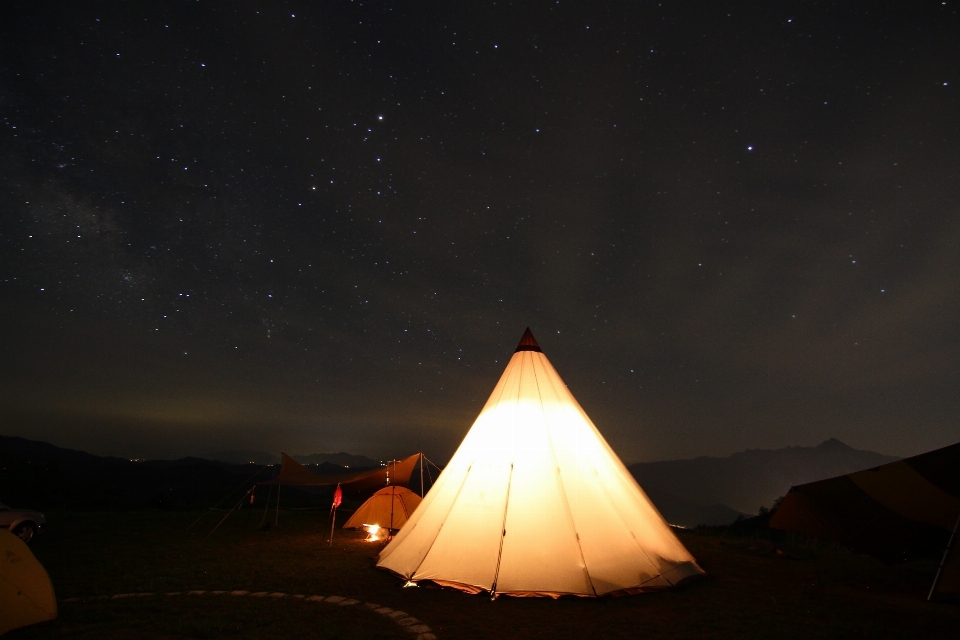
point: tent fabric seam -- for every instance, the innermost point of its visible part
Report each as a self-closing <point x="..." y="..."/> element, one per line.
<point x="503" y="532"/>
<point x="452" y="504"/>
<point x="563" y="487"/>
<point x="626" y="526"/>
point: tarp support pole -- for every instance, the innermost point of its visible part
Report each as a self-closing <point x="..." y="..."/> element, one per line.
<point x="393" y="496"/>
<point x="421" y="474"/>
<point x="943" y="561"/>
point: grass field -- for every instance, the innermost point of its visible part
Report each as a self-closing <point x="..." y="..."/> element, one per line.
<point x="830" y="594"/>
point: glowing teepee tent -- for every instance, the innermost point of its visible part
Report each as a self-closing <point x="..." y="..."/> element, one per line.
<point x="535" y="502"/>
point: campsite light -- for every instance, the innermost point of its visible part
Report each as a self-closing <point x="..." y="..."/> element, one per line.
<point x="373" y="532"/>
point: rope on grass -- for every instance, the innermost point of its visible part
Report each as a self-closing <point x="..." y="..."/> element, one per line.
<point x="406" y="622"/>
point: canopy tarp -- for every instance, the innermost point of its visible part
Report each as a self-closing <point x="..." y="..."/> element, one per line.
<point x="364" y="482"/>
<point x="892" y="512"/>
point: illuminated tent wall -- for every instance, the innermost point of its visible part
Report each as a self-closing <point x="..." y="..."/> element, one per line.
<point x="26" y="595"/>
<point x="354" y="484"/>
<point x="535" y="502"/>
<point x="389" y="507"/>
<point x="890" y="511"/>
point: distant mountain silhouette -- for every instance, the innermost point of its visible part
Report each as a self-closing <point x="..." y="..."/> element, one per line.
<point x="715" y="491"/>
<point x="343" y="459"/>
<point x="241" y="456"/>
<point x="43" y="476"/>
<point x="688" y="492"/>
<point x="245" y="456"/>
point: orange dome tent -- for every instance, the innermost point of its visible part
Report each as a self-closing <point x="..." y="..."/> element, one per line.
<point x="26" y="595"/>
<point x="389" y="508"/>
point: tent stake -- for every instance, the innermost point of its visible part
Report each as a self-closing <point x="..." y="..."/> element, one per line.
<point x="943" y="561"/>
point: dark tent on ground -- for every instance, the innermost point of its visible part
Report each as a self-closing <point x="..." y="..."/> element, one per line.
<point x="358" y="484"/>
<point x="893" y="512"/>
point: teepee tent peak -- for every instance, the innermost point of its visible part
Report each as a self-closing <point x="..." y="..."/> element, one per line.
<point x="535" y="503"/>
<point x="527" y="342"/>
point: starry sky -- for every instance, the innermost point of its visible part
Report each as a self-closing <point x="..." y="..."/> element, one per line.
<point x="323" y="226"/>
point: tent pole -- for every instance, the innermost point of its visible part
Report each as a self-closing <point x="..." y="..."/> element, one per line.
<point x="393" y="493"/>
<point x="393" y="496"/>
<point x="276" y="519"/>
<point x="943" y="561"/>
<point x="421" y="474"/>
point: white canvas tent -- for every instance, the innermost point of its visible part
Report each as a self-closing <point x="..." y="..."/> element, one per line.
<point x="535" y="502"/>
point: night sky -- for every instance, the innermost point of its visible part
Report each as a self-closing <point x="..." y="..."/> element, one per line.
<point x="323" y="226"/>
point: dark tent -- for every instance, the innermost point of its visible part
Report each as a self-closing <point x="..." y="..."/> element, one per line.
<point x="893" y="512"/>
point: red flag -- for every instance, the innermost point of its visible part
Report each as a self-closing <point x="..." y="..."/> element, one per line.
<point x="337" y="498"/>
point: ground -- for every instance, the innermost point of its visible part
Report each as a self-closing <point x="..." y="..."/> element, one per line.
<point x="825" y="593"/>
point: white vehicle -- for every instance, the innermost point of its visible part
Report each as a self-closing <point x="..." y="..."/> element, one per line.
<point x="23" y="523"/>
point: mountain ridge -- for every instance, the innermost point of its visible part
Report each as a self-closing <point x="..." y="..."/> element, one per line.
<point x="246" y="456"/>
<point x="704" y="490"/>
<point x="691" y="492"/>
<point x="42" y="475"/>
